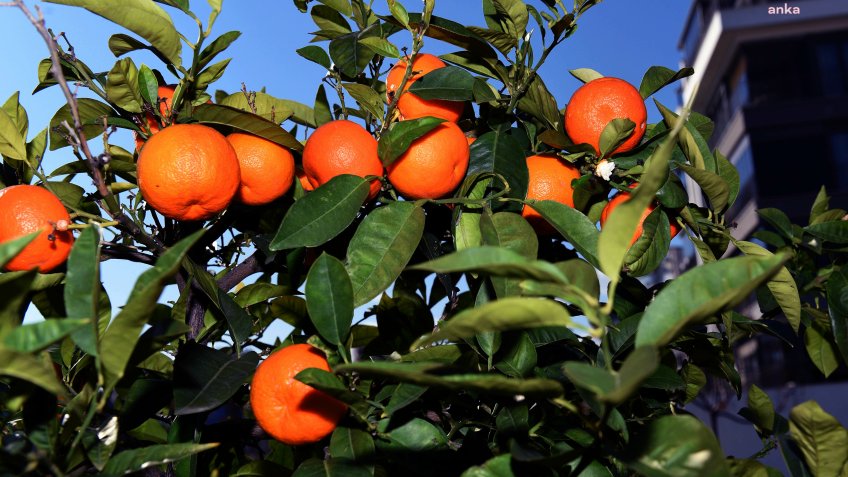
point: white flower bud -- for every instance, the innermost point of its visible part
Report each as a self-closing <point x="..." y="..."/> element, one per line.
<point x="604" y="169"/>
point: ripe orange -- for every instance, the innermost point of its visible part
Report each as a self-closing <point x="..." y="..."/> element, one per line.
<point x="304" y="181"/>
<point x="267" y="169"/>
<point x="410" y="105"/>
<point x="433" y="166"/>
<point x="290" y="411"/>
<point x="598" y="102"/>
<point x="470" y="139"/>
<point x="188" y="172"/>
<point x="25" y="209"/>
<point x="622" y="197"/>
<point x="341" y="147"/>
<point x="166" y="92"/>
<point x="550" y="179"/>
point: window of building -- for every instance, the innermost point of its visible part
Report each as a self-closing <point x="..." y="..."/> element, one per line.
<point x="829" y="59"/>
<point x="839" y="156"/>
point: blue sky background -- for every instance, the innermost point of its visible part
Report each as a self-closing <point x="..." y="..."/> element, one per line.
<point x="619" y="38"/>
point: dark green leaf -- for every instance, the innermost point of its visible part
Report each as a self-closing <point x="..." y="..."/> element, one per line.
<point x="82" y="287"/>
<point x="837" y="303"/>
<point x="577" y="229"/>
<point x="322" y="214"/>
<point x="404" y="395"/>
<point x="821" y="350"/>
<point x="760" y="410"/>
<point x="658" y="77"/>
<point x="381" y="47"/>
<point x="271" y="108"/>
<point x="499" y="153"/>
<point x="367" y="98"/>
<point x="247" y="122"/>
<point x="713" y="185"/>
<point x="349" y="55"/>
<point x="217" y="46"/>
<point x="679" y="446"/>
<point x="617" y="386"/>
<point x="835" y="231"/>
<point x="401" y="135"/>
<point x="448" y="83"/>
<point x="782" y="286"/>
<point x="494" y="261"/>
<point x="614" y="134"/>
<point x="37" y="336"/>
<point x="354" y="445"/>
<point x="142" y="17"/>
<point x="148" y="85"/>
<point x="381" y="247"/>
<point x="211" y="74"/>
<point x="499" y="466"/>
<point x="118" y="341"/>
<point x="122" y="86"/>
<point x="519" y="360"/>
<point x="329" y="298"/>
<point x="205" y="378"/>
<point x="135" y="460"/>
<point x="12" y="142"/>
<point x="703" y="292"/>
<point x="729" y="175"/>
<point x="30" y="368"/>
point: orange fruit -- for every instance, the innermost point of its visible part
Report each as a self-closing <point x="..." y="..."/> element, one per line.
<point x="410" y="105"/>
<point x="188" y="172"/>
<point x="25" y="209"/>
<point x="166" y="92"/>
<point x="290" y="411"/>
<point x="470" y="139"/>
<point x="433" y="166"/>
<point x="267" y="169"/>
<point x="598" y="102"/>
<point x="550" y="179"/>
<point x="341" y="147"/>
<point x="623" y="197"/>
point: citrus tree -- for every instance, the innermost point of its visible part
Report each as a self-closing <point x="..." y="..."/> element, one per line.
<point x="451" y="198"/>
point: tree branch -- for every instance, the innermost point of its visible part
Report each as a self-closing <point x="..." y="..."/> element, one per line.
<point x="248" y="267"/>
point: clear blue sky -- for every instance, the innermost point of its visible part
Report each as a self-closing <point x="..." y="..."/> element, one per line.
<point x="618" y="38"/>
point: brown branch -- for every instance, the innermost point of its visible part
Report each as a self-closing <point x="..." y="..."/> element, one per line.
<point x="118" y="251"/>
<point x="248" y="267"/>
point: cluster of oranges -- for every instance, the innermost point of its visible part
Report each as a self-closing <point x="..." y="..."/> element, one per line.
<point x="432" y="167"/>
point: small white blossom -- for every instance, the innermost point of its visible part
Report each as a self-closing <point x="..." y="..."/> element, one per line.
<point x="813" y="243"/>
<point x="604" y="169"/>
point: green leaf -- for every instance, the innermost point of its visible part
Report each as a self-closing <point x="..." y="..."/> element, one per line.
<point x="820" y="206"/>
<point x="100" y="443"/>
<point x="322" y="214"/>
<point x="247" y="122"/>
<point x="508" y="231"/>
<point x="617" y="386"/>
<point x="381" y="247"/>
<point x="614" y="134"/>
<point x="211" y="74"/>
<point x="713" y="185"/>
<point x="329" y="299"/>
<point x="500" y="466"/>
<point x="449" y="83"/>
<point x="419" y="373"/>
<point x="585" y="74"/>
<point x="142" y="17"/>
<point x="367" y="98"/>
<point x="354" y="445"/>
<point x="679" y="446"/>
<point x="401" y="135"/>
<point x="703" y="292"/>
<point x="135" y="460"/>
<point x="399" y="13"/>
<point x="37" y="336"/>
<point x="123" y="332"/>
<point x="729" y="175"/>
<point x="778" y="220"/>
<point x="122" y="86"/>
<point x="618" y="230"/>
<point x="381" y="46"/>
<point x="148" y="85"/>
<point x="417" y="435"/>
<point x="270" y="108"/>
<point x="822" y="440"/>
<point x="121" y="44"/>
<point x="520" y="359"/>
<point x="496" y="152"/>
<point x="82" y="287"/>
<point x="750" y="468"/>
<point x="577" y="229"/>
<point x="821" y="350"/>
<point x="837" y="303"/>
<point x="321" y="108"/>
<point x="539" y="102"/>
<point x="15" y="288"/>
<point x="493" y="261"/>
<point x="17" y="113"/>
<point x="316" y="54"/>
<point x="217" y="46"/>
<point x="402" y="396"/>
<point x="8" y="250"/>
<point x="30" y="368"/>
<point x="91" y="114"/>
<point x="349" y="55"/>
<point x="690" y="140"/>
<point x="658" y="77"/>
<point x="12" y="142"/>
<point x="514" y="313"/>
<point x="205" y="378"/>
<point x="835" y="231"/>
<point x="760" y="410"/>
<point x="782" y="286"/>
